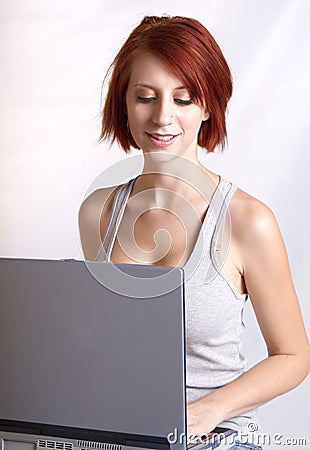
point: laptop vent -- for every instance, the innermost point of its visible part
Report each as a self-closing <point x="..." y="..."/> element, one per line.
<point x="56" y="445"/>
<point x="101" y="445"/>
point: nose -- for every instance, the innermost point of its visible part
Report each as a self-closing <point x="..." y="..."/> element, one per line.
<point x="163" y="112"/>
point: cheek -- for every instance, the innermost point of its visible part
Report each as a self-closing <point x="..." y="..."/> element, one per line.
<point x="133" y="120"/>
<point x="137" y="117"/>
<point x="192" y="123"/>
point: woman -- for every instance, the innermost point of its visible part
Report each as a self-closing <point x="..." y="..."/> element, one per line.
<point x="168" y="93"/>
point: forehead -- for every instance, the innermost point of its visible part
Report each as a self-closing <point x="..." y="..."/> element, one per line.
<point x="150" y="70"/>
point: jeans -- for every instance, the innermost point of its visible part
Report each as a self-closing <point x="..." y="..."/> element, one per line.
<point x="243" y="446"/>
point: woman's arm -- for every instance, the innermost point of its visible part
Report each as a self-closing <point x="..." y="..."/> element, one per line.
<point x="268" y="280"/>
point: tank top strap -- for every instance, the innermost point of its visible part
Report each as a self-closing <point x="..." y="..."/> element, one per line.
<point x="218" y="209"/>
<point x="219" y="204"/>
<point x="118" y="209"/>
<point x="207" y="237"/>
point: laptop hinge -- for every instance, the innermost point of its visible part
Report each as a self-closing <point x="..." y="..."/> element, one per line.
<point x="85" y="439"/>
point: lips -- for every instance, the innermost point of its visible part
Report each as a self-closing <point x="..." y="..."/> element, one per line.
<point x="162" y="140"/>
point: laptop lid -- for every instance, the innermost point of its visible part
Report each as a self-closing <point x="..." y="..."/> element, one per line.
<point x="81" y="360"/>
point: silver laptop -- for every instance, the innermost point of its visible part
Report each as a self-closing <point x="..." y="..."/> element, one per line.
<point x="92" y="356"/>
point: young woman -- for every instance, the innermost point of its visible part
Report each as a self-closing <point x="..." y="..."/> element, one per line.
<point x="168" y="93"/>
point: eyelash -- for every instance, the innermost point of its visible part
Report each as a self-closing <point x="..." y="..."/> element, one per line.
<point x="179" y="101"/>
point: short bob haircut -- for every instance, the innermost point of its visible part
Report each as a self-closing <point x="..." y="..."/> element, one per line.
<point x="192" y="54"/>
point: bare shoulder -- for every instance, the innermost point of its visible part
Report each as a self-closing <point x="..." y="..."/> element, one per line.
<point x="96" y="199"/>
<point x="257" y="241"/>
<point x="94" y="214"/>
<point x="94" y="204"/>
<point x="251" y="218"/>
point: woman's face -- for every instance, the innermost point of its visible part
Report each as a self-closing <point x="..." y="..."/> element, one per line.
<point x="161" y="114"/>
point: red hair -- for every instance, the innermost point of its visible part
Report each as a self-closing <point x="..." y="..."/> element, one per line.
<point x="192" y="54"/>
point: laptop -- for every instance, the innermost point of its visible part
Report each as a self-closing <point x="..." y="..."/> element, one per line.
<point x="92" y="356"/>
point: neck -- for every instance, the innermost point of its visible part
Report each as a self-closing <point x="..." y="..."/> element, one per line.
<point x="187" y="177"/>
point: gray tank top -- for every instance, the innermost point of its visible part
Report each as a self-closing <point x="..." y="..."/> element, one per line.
<point x="214" y="307"/>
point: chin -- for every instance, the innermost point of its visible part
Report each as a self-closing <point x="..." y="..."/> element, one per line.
<point x="159" y="155"/>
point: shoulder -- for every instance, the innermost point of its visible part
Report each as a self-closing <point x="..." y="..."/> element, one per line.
<point x="254" y="231"/>
<point x="95" y="205"/>
<point x="250" y="217"/>
<point x="93" y="217"/>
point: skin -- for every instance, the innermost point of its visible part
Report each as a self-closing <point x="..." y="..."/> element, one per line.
<point x="256" y="260"/>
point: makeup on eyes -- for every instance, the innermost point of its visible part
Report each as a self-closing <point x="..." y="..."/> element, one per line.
<point x="179" y="101"/>
<point x="147" y="98"/>
<point x="147" y="94"/>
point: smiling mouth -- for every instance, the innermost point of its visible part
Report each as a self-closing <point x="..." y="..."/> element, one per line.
<point x="165" y="138"/>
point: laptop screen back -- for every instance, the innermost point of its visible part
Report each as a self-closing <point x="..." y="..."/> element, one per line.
<point x="76" y="354"/>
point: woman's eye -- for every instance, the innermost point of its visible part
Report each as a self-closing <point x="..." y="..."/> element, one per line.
<point x="182" y="101"/>
<point x="145" y="99"/>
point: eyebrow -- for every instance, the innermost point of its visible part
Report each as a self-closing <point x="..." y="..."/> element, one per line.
<point x="152" y="87"/>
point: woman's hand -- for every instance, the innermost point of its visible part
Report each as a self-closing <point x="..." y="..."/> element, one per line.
<point x="203" y="416"/>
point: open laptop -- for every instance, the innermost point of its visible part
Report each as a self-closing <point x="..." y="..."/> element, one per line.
<point x="87" y="363"/>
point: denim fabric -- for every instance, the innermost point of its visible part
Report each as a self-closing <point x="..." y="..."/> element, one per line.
<point x="242" y="446"/>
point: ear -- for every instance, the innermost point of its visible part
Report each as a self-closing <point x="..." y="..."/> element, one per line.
<point x="206" y="116"/>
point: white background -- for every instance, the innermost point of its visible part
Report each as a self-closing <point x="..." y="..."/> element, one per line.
<point x="53" y="57"/>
